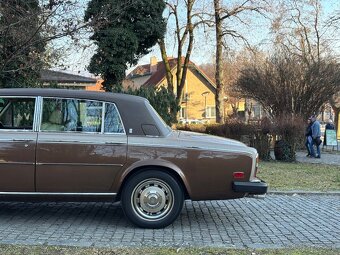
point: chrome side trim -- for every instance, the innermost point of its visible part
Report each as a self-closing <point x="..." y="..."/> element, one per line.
<point x="16" y="130"/>
<point x="56" y="194"/>
<point x="16" y="140"/>
<point x="80" y="142"/>
<point x="17" y="163"/>
<point x="75" y="164"/>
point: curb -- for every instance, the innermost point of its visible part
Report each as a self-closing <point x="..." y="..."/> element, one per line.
<point x="304" y="193"/>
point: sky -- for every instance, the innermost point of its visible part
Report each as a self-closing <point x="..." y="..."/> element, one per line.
<point x="257" y="32"/>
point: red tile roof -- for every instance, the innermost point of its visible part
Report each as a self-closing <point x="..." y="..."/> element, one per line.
<point x="160" y="74"/>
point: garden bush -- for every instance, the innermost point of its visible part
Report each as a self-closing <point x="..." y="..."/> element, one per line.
<point x="290" y="133"/>
<point x="255" y="135"/>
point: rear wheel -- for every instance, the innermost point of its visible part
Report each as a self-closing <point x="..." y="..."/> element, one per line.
<point x="152" y="199"/>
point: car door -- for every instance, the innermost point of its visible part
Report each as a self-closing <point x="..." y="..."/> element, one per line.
<point x="78" y="150"/>
<point x="17" y="144"/>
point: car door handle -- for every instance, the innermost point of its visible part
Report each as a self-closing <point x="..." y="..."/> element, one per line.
<point x="118" y="143"/>
<point x="23" y="140"/>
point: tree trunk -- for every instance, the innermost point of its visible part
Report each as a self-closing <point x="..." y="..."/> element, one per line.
<point x="168" y="73"/>
<point x="336" y="118"/>
<point x="169" y="77"/>
<point x="219" y="70"/>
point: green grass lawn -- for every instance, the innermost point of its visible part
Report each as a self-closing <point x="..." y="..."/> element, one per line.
<point x="53" y="250"/>
<point x="300" y="176"/>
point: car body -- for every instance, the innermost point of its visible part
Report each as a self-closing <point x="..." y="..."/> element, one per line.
<point x="71" y="145"/>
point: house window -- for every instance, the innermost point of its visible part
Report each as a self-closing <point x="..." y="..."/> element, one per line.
<point x="257" y="111"/>
<point x="210" y="112"/>
<point x="183" y="113"/>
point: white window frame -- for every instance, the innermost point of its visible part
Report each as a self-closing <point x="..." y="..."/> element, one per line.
<point x="208" y="111"/>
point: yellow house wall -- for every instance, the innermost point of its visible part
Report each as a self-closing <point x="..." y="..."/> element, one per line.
<point x="229" y="109"/>
<point x="194" y="87"/>
<point x="196" y="103"/>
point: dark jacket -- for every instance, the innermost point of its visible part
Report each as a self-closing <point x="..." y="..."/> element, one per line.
<point x="330" y="126"/>
<point x="308" y="131"/>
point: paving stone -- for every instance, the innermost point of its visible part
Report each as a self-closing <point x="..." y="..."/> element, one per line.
<point x="274" y="222"/>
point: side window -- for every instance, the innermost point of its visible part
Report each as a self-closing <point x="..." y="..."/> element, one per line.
<point x="71" y="115"/>
<point x="112" y="122"/>
<point x="17" y="113"/>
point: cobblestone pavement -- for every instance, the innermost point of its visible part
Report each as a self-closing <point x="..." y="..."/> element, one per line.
<point x="273" y="222"/>
<point x="326" y="158"/>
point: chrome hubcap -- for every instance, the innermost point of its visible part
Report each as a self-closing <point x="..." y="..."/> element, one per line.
<point x="152" y="199"/>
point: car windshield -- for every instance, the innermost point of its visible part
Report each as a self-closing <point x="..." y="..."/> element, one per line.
<point x="161" y="123"/>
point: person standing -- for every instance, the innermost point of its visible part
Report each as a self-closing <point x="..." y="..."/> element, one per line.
<point x="316" y="134"/>
<point x="308" y="134"/>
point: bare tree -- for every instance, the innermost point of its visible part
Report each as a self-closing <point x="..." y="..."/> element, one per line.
<point x="225" y="25"/>
<point x="231" y="65"/>
<point x="285" y="85"/>
<point x="184" y="37"/>
<point x="302" y="29"/>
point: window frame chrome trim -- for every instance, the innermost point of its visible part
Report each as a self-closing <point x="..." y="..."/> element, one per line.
<point x="81" y="132"/>
<point x="39" y="115"/>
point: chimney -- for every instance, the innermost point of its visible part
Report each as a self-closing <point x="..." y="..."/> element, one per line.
<point x="153" y="64"/>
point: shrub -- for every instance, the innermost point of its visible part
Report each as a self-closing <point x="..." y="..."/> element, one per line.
<point x="289" y="130"/>
<point x="255" y="135"/>
<point x="199" y="128"/>
<point x="162" y="100"/>
<point x="262" y="138"/>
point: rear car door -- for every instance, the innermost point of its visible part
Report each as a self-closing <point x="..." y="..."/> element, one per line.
<point x="17" y="144"/>
<point x="81" y="146"/>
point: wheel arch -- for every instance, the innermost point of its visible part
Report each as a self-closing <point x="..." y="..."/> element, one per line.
<point x="171" y="170"/>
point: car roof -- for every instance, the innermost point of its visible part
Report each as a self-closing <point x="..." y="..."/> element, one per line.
<point x="133" y="109"/>
<point x="67" y="93"/>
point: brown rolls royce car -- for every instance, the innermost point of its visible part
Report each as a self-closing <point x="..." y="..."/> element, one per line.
<point x="75" y="145"/>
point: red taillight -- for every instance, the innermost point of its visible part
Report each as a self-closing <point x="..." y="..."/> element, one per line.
<point x="238" y="175"/>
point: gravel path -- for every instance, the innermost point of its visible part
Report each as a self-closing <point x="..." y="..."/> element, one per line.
<point x="326" y="158"/>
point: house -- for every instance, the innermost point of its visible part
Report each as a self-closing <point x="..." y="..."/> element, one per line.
<point x="198" y="97"/>
<point x="67" y="80"/>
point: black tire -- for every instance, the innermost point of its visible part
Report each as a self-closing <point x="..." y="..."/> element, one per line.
<point x="162" y="203"/>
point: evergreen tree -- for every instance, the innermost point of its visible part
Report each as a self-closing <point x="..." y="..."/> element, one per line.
<point x="124" y="31"/>
<point x="21" y="44"/>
